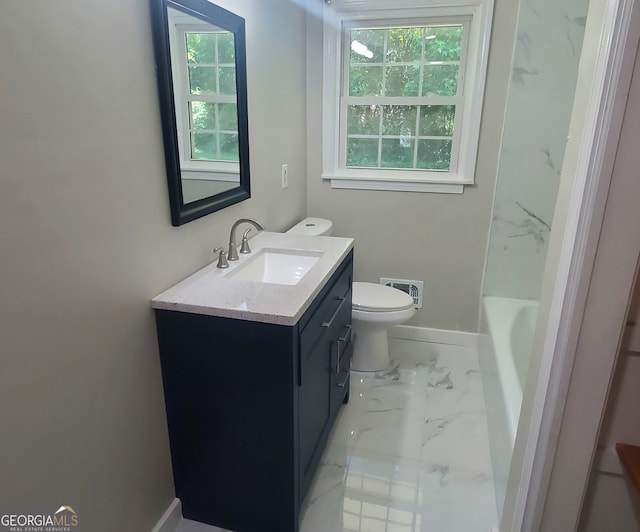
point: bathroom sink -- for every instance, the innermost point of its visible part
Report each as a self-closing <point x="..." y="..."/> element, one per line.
<point x="276" y="266"/>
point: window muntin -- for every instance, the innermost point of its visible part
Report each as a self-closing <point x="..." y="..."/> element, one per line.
<point x="402" y="95"/>
<point x="209" y="102"/>
<point x="340" y="16"/>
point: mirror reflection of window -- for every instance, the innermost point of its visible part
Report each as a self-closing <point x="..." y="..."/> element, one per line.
<point x="211" y="98"/>
<point x="204" y="65"/>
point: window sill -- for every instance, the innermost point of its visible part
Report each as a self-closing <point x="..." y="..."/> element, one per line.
<point x="398" y="185"/>
<point x="209" y="175"/>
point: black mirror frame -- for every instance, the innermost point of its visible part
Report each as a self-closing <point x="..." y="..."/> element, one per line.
<point x="182" y="213"/>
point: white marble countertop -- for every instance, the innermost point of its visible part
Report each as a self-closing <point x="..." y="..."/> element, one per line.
<point x="210" y="291"/>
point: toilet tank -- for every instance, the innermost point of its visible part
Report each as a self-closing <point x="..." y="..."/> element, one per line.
<point x="313" y="227"/>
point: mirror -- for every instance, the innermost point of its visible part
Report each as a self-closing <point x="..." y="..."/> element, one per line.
<point x="202" y="81"/>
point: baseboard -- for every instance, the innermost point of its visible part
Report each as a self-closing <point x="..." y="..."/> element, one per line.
<point x="170" y="519"/>
<point x="436" y="336"/>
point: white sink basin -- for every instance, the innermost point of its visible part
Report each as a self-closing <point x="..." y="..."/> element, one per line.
<point x="276" y="266"/>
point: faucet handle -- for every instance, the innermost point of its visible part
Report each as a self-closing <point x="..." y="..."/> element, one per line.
<point x="222" y="258"/>
<point x="244" y="248"/>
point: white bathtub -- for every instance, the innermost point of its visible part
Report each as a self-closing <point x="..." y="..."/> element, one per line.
<point x="511" y="323"/>
<point x="505" y="344"/>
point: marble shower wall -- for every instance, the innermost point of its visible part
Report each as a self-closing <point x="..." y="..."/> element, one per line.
<point x="545" y="69"/>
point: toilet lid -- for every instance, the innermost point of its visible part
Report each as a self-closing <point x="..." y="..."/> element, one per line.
<point x="379" y="298"/>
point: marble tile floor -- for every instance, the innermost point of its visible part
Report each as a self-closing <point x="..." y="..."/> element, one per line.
<point x="409" y="453"/>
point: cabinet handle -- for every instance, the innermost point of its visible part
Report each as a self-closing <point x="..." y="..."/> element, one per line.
<point x="347" y="334"/>
<point x="342" y="340"/>
<point x="330" y="322"/>
<point x="343" y="383"/>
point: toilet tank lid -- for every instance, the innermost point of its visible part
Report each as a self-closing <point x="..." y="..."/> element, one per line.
<point x="380" y="298"/>
<point x="312" y="227"/>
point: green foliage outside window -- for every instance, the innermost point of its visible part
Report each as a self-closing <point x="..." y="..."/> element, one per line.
<point x="403" y="62"/>
<point x="211" y="72"/>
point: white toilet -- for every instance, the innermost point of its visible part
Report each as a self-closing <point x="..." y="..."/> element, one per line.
<point x="375" y="309"/>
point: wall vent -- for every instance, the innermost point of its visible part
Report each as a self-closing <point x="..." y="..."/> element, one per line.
<point x="414" y="288"/>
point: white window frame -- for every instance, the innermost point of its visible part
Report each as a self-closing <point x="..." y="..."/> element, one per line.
<point x="348" y="13"/>
<point x="457" y="100"/>
<point x="179" y="25"/>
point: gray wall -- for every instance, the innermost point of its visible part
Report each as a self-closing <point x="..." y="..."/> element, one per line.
<point x="86" y="241"/>
<point x="440" y="239"/>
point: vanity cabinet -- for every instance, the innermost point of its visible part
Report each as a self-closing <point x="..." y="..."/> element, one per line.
<point x="325" y="353"/>
<point x="250" y="406"/>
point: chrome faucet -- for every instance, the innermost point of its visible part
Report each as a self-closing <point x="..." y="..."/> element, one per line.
<point x="233" y="250"/>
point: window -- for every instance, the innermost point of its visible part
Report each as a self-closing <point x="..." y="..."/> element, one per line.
<point x="403" y="95"/>
<point x="210" y="101"/>
<point x="400" y="96"/>
<point x="205" y="99"/>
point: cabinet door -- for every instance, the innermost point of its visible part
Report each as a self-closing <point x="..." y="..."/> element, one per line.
<point x="321" y="327"/>
<point x="314" y="408"/>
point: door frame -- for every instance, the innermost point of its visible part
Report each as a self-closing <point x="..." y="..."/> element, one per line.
<point x="556" y="443"/>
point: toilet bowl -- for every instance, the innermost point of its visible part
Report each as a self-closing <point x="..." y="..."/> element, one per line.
<point x="375" y="309"/>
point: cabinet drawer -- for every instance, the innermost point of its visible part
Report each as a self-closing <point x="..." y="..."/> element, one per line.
<point x="333" y="309"/>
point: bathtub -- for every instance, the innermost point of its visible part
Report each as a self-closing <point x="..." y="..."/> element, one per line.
<point x="505" y="344"/>
<point x="511" y="323"/>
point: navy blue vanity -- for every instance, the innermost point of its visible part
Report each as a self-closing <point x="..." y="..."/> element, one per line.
<point x="250" y="405"/>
